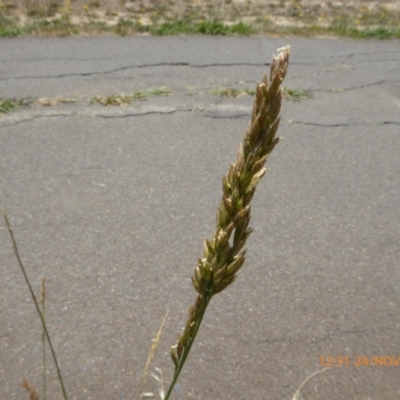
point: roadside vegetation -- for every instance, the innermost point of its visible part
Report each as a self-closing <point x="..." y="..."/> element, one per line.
<point x="121" y="99"/>
<point x="358" y="19"/>
<point x="292" y="94"/>
<point x="124" y="99"/>
<point x="11" y="104"/>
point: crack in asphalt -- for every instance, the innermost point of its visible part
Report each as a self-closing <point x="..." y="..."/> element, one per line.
<point x="227" y="116"/>
<point x="216" y="113"/>
<point x="29" y="118"/>
<point x="343" y="123"/>
<point x="166" y="112"/>
<point x="140" y="66"/>
<point x="349" y="55"/>
<point x="32" y="118"/>
<point x="165" y="64"/>
<point x="377" y="83"/>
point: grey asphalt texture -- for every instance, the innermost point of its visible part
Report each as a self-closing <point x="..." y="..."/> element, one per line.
<point x="111" y="204"/>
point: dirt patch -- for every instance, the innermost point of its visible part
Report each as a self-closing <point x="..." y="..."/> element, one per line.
<point x="258" y="13"/>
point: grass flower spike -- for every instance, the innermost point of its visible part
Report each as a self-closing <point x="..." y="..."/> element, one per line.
<point x="224" y="254"/>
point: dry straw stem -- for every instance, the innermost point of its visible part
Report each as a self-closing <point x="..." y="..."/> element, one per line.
<point x="224" y="254"/>
<point x="154" y="346"/>
<point x="297" y="395"/>
<point x="41" y="314"/>
<point x="30" y="389"/>
<point x="43" y="303"/>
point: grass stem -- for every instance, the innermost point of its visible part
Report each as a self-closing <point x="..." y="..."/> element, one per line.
<point x="41" y="315"/>
<point x="187" y="348"/>
<point x="43" y="301"/>
<point x="224" y="254"/>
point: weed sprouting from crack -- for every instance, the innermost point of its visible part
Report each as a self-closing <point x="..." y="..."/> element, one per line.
<point x="11" y="104"/>
<point x="296" y="94"/>
<point x="124" y="99"/>
<point x="232" y="92"/>
<point x="292" y="94"/>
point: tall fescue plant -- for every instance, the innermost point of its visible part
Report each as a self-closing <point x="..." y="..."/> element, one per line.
<point x="224" y="253"/>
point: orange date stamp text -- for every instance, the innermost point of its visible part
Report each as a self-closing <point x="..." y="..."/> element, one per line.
<point x="360" y="361"/>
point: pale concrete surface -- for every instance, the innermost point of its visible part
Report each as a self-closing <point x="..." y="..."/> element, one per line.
<point x="111" y="206"/>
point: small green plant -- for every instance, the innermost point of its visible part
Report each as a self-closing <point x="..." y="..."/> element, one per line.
<point x="9" y="28"/>
<point x="113" y="100"/>
<point x="93" y="4"/>
<point x="288" y="93"/>
<point x="215" y="27"/>
<point x="198" y="108"/>
<point x="60" y="27"/>
<point x="231" y="92"/>
<point x="157" y="91"/>
<point x="226" y="92"/>
<point x="126" y="27"/>
<point x="123" y="99"/>
<point x="211" y="27"/>
<point x="380" y="32"/>
<point x="250" y="92"/>
<point x="10" y="104"/>
<point x="295" y="94"/>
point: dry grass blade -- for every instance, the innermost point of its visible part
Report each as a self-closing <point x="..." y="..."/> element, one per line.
<point x="158" y="376"/>
<point x="150" y="357"/>
<point x="41" y="316"/>
<point x="30" y="389"/>
<point x="297" y="395"/>
<point x="43" y="303"/>
<point x="222" y="260"/>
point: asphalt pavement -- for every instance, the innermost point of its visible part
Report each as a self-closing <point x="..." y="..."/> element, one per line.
<point x="111" y="204"/>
